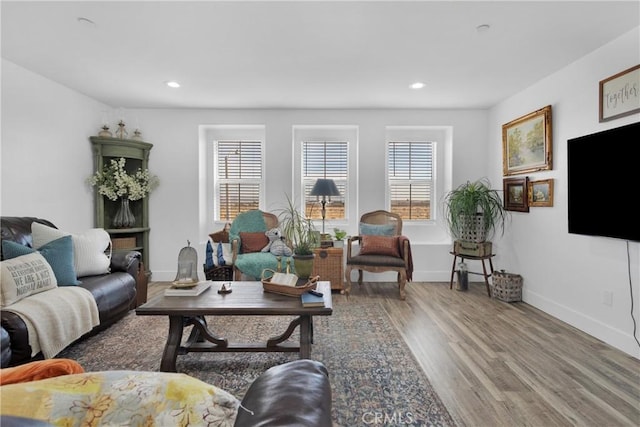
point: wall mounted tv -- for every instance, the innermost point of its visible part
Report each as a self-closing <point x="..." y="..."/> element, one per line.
<point x="604" y="183"/>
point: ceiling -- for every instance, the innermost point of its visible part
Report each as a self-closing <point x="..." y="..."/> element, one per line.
<point x="305" y="54"/>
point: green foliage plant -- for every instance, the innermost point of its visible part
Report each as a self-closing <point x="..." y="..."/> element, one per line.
<point x="339" y="234"/>
<point x="470" y="200"/>
<point x="299" y="231"/>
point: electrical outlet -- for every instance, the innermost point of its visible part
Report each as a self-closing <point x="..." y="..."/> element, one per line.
<point x="607" y="298"/>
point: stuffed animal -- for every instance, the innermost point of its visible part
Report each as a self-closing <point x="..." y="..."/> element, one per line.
<point x="276" y="245"/>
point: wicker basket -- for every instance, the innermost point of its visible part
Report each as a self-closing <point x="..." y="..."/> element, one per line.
<point x="290" y="291"/>
<point x="328" y="265"/>
<point x="219" y="274"/>
<point x="472" y="229"/>
<point x="123" y="243"/>
<point x="506" y="286"/>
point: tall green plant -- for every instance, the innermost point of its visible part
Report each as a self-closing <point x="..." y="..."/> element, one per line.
<point x="298" y="230"/>
<point x="469" y="200"/>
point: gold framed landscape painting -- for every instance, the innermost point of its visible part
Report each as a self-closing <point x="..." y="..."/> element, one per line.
<point x="527" y="143"/>
<point x="515" y="194"/>
<point x="541" y="193"/>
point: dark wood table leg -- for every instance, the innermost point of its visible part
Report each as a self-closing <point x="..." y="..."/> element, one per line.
<point x="486" y="278"/>
<point x="453" y="269"/>
<point x="170" y="353"/>
<point x="201" y="332"/>
<point x="305" y="337"/>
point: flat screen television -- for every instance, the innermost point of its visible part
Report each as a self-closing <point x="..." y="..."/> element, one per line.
<point x="604" y="183"/>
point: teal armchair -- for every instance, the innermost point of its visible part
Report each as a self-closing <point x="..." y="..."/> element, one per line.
<point x="247" y="239"/>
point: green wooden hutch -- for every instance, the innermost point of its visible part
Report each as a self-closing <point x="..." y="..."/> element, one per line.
<point x="136" y="154"/>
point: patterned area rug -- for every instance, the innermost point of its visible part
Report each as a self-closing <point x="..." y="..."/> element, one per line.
<point x="374" y="376"/>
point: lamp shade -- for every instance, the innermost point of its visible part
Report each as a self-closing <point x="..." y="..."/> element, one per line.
<point x="324" y="187"/>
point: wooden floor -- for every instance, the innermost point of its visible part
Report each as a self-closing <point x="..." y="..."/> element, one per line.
<point x="509" y="364"/>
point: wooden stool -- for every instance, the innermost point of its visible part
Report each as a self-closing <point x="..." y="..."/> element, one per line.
<point x="475" y="258"/>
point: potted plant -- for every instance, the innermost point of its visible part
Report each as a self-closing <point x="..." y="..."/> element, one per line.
<point x="115" y="182"/>
<point x="301" y="235"/>
<point x="474" y="211"/>
<point x="339" y="236"/>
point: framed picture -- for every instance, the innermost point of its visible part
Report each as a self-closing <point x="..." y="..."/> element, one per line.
<point x="620" y="94"/>
<point x="527" y="143"/>
<point x="515" y="194"/>
<point x="541" y="193"/>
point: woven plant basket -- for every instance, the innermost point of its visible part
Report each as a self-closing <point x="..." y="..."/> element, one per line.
<point x="506" y="286"/>
<point x="472" y="229"/>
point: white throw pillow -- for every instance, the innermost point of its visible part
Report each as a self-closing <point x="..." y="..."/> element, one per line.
<point x="23" y="276"/>
<point x="227" y="255"/>
<point x="88" y="247"/>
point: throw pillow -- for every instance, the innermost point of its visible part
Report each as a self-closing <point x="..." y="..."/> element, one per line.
<point x="380" y="245"/>
<point x="58" y="253"/>
<point x="220" y="236"/>
<point x="377" y="229"/>
<point x="23" y="276"/>
<point x="88" y="247"/>
<point x="252" y="242"/>
<point x="118" y="398"/>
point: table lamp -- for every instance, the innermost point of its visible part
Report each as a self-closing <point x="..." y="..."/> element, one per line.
<point x="324" y="188"/>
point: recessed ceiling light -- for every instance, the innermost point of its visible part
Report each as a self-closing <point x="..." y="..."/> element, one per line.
<point x="483" y="28"/>
<point x="85" y="21"/>
<point x="417" y="85"/>
<point x="173" y="84"/>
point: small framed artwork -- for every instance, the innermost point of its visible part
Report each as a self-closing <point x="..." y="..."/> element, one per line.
<point x="515" y="194"/>
<point x="620" y="94"/>
<point x="541" y="193"/>
<point x="527" y="143"/>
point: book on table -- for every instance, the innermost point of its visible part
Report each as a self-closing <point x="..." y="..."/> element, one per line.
<point x="196" y="290"/>
<point x="310" y="300"/>
<point x="284" y="279"/>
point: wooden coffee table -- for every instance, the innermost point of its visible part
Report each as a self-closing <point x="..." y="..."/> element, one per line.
<point x="246" y="299"/>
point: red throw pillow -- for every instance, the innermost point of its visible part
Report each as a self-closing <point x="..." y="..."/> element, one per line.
<point x="252" y="242"/>
<point x="379" y="245"/>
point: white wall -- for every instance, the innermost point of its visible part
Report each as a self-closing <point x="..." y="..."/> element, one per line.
<point x="45" y="150"/>
<point x="564" y="274"/>
<point x="46" y="158"/>
<point x="174" y="158"/>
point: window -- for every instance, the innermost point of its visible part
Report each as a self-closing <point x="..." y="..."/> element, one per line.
<point x="410" y="172"/>
<point x="325" y="159"/>
<point x="239" y="177"/>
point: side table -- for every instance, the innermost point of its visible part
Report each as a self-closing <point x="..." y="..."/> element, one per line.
<point x="328" y="264"/>
<point x="475" y="258"/>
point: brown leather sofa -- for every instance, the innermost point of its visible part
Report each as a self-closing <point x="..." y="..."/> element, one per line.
<point x="115" y="292"/>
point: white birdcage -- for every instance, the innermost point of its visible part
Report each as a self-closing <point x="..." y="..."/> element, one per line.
<point x="187" y="265"/>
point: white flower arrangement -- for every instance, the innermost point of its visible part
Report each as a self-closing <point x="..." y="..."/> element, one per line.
<point x="114" y="182"/>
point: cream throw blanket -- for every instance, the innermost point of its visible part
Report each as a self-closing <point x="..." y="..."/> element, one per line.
<point x="56" y="318"/>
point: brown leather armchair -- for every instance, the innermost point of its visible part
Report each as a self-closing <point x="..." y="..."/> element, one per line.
<point x="382" y="248"/>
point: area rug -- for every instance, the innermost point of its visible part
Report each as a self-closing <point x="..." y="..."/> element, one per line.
<point x="375" y="378"/>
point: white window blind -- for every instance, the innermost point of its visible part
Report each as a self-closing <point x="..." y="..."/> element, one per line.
<point x="410" y="171"/>
<point x="325" y="159"/>
<point x="239" y="173"/>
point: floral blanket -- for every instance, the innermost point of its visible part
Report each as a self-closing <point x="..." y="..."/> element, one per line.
<point x="119" y="398"/>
